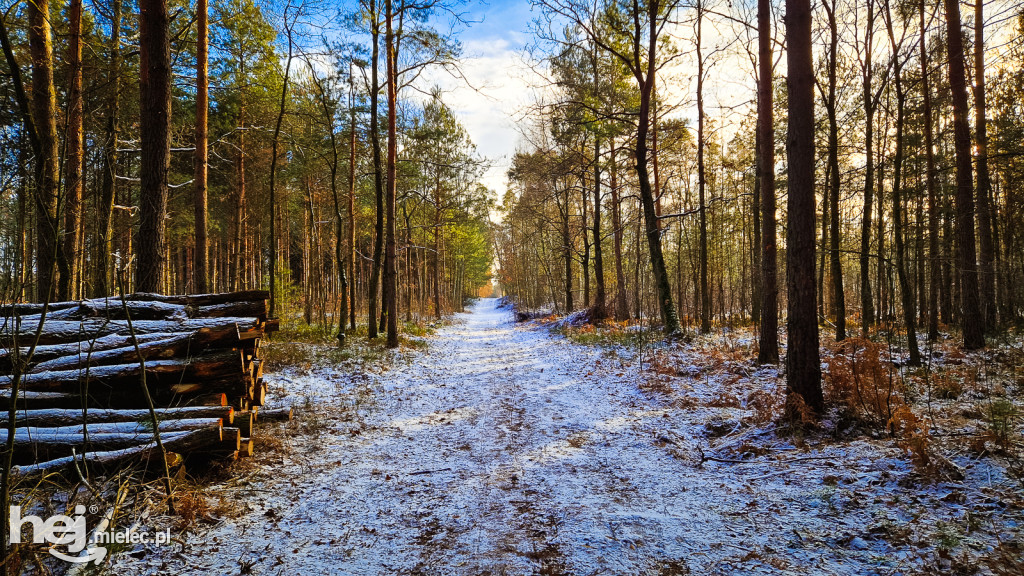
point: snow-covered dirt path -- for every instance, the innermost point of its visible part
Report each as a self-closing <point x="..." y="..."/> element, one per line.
<point x="506" y="450"/>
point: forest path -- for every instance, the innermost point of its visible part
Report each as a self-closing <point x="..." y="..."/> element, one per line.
<point x="500" y="450"/>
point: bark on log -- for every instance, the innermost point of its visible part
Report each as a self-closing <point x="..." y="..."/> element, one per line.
<point x="114" y="310"/>
<point x="48" y="352"/>
<point x="132" y="429"/>
<point x="34" y="400"/>
<point x="37" y="445"/>
<point x="277" y="414"/>
<point x="214" y="367"/>
<point x="182" y="443"/>
<point x="214" y="399"/>
<point x="231" y="440"/>
<point x="256" y="309"/>
<point x="54" y="417"/>
<point x="202" y="299"/>
<point x="244" y="422"/>
<point x="169" y="347"/>
<point x="66" y="331"/>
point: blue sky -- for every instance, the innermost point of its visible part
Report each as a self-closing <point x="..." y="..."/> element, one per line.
<point x="497" y="81"/>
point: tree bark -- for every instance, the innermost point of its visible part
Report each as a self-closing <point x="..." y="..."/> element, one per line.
<point x="273" y="168"/>
<point x="390" y="264"/>
<point x="200" y="260"/>
<point x="645" y="78"/>
<point x="768" y="344"/>
<point x="971" y="319"/>
<point x="351" y="248"/>
<point x="934" y="255"/>
<point x="378" y="177"/>
<point x="866" y="300"/>
<point x="986" y="249"/>
<point x="68" y="283"/>
<point x="836" y="267"/>
<point x="105" y="209"/>
<point x="705" y="292"/>
<point x="803" y="367"/>
<point x="621" y="307"/>
<point x="598" y="312"/>
<point x="44" y="113"/>
<point x="155" y="128"/>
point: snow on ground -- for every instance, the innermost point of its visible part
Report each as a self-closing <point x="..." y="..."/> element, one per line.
<point x="509" y="450"/>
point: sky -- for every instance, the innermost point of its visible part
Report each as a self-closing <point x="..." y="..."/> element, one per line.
<point x="497" y="82"/>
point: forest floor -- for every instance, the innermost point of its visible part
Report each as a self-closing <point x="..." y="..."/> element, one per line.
<point x="509" y="449"/>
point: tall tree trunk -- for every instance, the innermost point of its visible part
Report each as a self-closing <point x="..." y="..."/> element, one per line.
<point x="155" y="127"/>
<point x="803" y="366"/>
<point x="68" y="283"/>
<point x="273" y="171"/>
<point x="340" y="254"/>
<point x="652" y="230"/>
<point x="105" y="209"/>
<point x="585" y="261"/>
<point x="906" y="295"/>
<point x="390" y="264"/>
<point x="866" y="301"/>
<point x="836" y="266"/>
<point x="352" y="204"/>
<point x="567" y="251"/>
<point x="755" y="239"/>
<point x="882" y="312"/>
<point x="768" y="345"/>
<point x="986" y="250"/>
<point x="200" y="270"/>
<point x="44" y="112"/>
<point x="621" y="307"/>
<point x="934" y="256"/>
<point x="438" y="220"/>
<point x="705" y="291"/>
<point x="598" y="312"/>
<point x="971" y="319"/>
<point x="378" y="178"/>
<point x="237" y="273"/>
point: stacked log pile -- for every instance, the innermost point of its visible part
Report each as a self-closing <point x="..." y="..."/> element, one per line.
<point x="81" y="368"/>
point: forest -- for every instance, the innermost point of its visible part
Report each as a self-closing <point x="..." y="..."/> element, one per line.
<point x="767" y="251"/>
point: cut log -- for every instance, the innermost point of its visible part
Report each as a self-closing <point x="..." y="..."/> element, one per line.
<point x="246" y="448"/>
<point x="181" y="443"/>
<point x="23" y="308"/>
<point x="48" y="352"/>
<point x="244" y="422"/>
<point x="50" y="418"/>
<point x="114" y="310"/>
<point x="32" y="400"/>
<point x="256" y="309"/>
<point x="67" y="331"/>
<point x="277" y="414"/>
<point x="166" y="348"/>
<point x="215" y="399"/>
<point x="203" y="299"/>
<point x="37" y="445"/>
<point x="208" y="367"/>
<point x="231" y="440"/>
<point x="258" y="395"/>
<point x="142" y="427"/>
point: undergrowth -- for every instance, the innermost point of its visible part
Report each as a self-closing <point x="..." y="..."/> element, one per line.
<point x="302" y="345"/>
